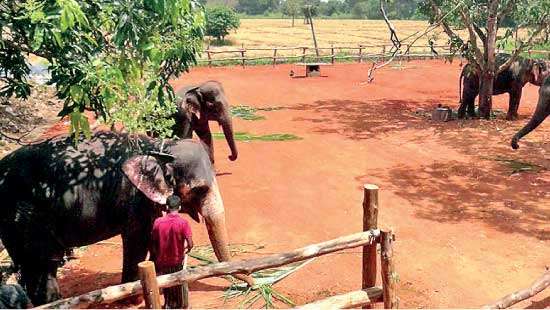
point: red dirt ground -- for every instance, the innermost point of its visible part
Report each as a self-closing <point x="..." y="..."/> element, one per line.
<point x="469" y="231"/>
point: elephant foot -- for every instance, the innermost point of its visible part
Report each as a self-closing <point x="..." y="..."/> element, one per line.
<point x="512" y="117"/>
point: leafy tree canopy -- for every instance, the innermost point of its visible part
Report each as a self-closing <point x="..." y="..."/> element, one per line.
<point x="529" y="15"/>
<point x="111" y="57"/>
<point x="220" y="20"/>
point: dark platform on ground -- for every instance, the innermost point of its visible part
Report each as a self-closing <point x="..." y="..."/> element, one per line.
<point x="314" y="68"/>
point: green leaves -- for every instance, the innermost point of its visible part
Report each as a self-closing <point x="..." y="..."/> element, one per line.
<point x="70" y="14"/>
<point x="112" y="57"/>
<point x="220" y="20"/>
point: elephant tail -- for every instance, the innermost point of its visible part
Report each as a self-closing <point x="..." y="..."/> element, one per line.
<point x="460" y="86"/>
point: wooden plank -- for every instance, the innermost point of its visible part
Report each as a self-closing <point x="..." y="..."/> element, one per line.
<point x="509" y="300"/>
<point x="370" y="221"/>
<point x="389" y="276"/>
<point x="348" y="300"/>
<point x="148" y="280"/>
<point x="118" y="292"/>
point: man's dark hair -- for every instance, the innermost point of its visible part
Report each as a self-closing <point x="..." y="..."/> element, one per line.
<point x="173" y="203"/>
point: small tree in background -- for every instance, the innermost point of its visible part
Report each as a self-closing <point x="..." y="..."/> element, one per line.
<point x="114" y="58"/>
<point x="220" y="20"/>
<point x="292" y="8"/>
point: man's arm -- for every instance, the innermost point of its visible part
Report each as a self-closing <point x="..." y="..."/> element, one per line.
<point x="187" y="234"/>
<point x="189" y="241"/>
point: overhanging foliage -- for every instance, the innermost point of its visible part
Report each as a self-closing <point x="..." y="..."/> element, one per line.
<point x="110" y="57"/>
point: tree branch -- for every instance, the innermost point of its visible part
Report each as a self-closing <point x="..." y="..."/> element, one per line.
<point x="438" y="13"/>
<point x="437" y="23"/>
<point x="395" y="42"/>
<point x="518" y="50"/>
<point x="472" y="36"/>
<point x="507" y="9"/>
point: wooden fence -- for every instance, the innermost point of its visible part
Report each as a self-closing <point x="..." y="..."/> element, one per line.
<point x="359" y="53"/>
<point x="369" y="292"/>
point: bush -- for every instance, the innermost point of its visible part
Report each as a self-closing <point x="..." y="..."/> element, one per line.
<point x="359" y="10"/>
<point x="220" y="20"/>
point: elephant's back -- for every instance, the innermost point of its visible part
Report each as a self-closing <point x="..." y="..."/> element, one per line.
<point x="56" y="170"/>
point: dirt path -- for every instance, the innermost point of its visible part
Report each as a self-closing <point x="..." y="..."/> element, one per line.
<point x="469" y="230"/>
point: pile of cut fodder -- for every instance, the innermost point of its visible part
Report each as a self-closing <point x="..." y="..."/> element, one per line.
<point x="262" y="295"/>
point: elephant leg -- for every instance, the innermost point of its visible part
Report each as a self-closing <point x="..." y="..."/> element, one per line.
<point x="203" y="131"/>
<point x="513" y="106"/>
<point x="135" y="244"/>
<point x="469" y="94"/>
<point x="40" y="281"/>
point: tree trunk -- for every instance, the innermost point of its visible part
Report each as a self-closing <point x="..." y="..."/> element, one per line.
<point x="486" y="93"/>
<point x="488" y="71"/>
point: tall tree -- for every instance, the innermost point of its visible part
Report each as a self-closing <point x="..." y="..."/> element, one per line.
<point x="111" y="57"/>
<point x="482" y="19"/>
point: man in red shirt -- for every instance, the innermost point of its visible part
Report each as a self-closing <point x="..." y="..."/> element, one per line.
<point x="168" y="248"/>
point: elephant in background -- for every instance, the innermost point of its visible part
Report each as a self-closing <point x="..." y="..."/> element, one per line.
<point x="196" y="106"/>
<point x="509" y="81"/>
<point x="541" y="112"/>
<point x="58" y="194"/>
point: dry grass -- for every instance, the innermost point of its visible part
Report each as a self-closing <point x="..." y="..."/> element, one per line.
<point x="266" y="33"/>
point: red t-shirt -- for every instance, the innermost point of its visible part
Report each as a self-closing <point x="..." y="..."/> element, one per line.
<point x="168" y="239"/>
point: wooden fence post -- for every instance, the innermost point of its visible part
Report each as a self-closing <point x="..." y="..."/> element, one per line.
<point x="409" y="53"/>
<point x="242" y="54"/>
<point x="360" y="54"/>
<point x="209" y="58"/>
<point x="332" y="53"/>
<point x="383" y="53"/>
<point x="274" y="57"/>
<point x="370" y="221"/>
<point x="389" y="276"/>
<point x="148" y="278"/>
<point x="304" y="54"/>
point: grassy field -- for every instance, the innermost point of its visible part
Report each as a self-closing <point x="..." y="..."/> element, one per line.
<point x="269" y="33"/>
<point x="265" y="33"/>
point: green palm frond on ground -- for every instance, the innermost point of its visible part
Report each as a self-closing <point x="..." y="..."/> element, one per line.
<point x="264" y="279"/>
<point x="247" y="137"/>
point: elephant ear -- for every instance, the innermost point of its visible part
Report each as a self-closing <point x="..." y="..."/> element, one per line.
<point x="145" y="172"/>
<point x="193" y="99"/>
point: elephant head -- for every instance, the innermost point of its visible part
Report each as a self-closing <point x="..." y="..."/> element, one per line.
<point x="537" y="70"/>
<point x="184" y="169"/>
<point x="201" y="104"/>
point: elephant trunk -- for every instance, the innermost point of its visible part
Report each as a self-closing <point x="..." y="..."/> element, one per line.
<point x="227" y="126"/>
<point x="538" y="117"/>
<point x="214" y="216"/>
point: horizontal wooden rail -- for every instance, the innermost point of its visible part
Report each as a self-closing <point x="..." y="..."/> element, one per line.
<point x="509" y="300"/>
<point x="348" y="300"/>
<point x="118" y="292"/>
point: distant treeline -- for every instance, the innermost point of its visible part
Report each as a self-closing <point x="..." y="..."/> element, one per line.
<point x="357" y="9"/>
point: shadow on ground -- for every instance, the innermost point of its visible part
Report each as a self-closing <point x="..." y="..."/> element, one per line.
<point x="455" y="192"/>
<point x="364" y="119"/>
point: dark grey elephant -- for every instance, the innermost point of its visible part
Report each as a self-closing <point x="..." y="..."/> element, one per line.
<point x="541" y="112"/>
<point x="56" y="195"/>
<point x="509" y="81"/>
<point x="198" y="105"/>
